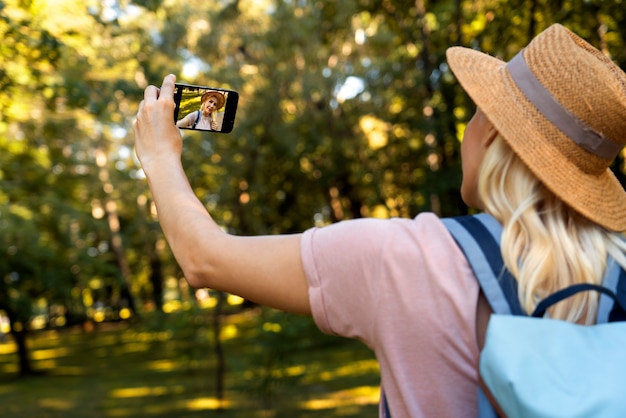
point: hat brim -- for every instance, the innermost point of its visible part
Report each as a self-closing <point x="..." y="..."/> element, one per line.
<point x="600" y="198"/>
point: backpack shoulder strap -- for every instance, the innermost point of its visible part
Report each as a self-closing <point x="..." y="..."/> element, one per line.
<point x="610" y="310"/>
<point x="197" y="119"/>
<point x="478" y="236"/>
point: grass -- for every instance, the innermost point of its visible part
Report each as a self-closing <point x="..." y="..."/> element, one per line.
<point x="164" y="366"/>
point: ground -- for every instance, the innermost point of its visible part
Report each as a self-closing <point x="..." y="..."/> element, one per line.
<point x="163" y="365"/>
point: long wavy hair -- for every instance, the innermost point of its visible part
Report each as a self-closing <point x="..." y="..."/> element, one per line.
<point x="546" y="245"/>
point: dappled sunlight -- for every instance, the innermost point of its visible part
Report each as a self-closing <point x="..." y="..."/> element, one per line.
<point x="134" y="347"/>
<point x="380" y="212"/>
<point x="163" y="365"/>
<point x="350" y="369"/>
<point x="146" y="337"/>
<point x="206" y="302"/>
<point x="200" y="404"/>
<point x="146" y="391"/>
<point x="144" y="410"/>
<point x="142" y="405"/>
<point x="234" y="300"/>
<point x="50" y="353"/>
<point x="375" y="130"/>
<point x="272" y="327"/>
<point x="197" y="404"/>
<point x="47" y="364"/>
<point x="141" y="371"/>
<point x="362" y="395"/>
<point x="229" y="332"/>
<point x="8" y="348"/>
<point x="174" y="306"/>
<point x="57" y="404"/>
<point x="291" y="371"/>
<point x="295" y="370"/>
<point x="312" y="374"/>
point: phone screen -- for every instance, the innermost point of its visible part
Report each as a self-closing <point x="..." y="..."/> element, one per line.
<point x="205" y="108"/>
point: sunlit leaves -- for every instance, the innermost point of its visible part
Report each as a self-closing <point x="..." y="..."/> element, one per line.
<point x="375" y="130"/>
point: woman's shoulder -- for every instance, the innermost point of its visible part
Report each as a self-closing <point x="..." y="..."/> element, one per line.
<point x="397" y="239"/>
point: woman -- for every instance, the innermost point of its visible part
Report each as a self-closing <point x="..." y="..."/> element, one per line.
<point x="207" y="117"/>
<point x="535" y="156"/>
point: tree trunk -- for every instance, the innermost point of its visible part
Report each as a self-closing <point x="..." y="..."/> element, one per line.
<point x="19" y="334"/>
<point x="156" y="279"/>
<point x="117" y="246"/>
<point x="220" y="373"/>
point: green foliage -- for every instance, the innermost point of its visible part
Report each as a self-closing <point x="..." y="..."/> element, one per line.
<point x="280" y="335"/>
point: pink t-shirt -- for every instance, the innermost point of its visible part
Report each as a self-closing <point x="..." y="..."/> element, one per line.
<point x="404" y="288"/>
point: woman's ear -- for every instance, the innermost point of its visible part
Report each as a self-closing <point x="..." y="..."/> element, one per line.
<point x="490" y="137"/>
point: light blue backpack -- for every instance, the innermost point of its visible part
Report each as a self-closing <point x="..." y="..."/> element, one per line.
<point x="538" y="367"/>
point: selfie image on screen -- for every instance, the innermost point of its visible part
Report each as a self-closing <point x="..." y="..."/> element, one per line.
<point x="201" y="108"/>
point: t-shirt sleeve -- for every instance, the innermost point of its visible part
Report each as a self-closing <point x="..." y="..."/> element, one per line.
<point x="341" y="264"/>
<point x="403" y="287"/>
<point x="358" y="269"/>
<point x="354" y="266"/>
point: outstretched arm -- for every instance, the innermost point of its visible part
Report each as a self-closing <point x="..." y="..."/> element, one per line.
<point x="188" y="120"/>
<point x="264" y="269"/>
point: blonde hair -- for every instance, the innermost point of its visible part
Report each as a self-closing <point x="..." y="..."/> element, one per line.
<point x="545" y="244"/>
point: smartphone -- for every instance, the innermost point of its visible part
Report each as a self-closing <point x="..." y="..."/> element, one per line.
<point x="205" y="108"/>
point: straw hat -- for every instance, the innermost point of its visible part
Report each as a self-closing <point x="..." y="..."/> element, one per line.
<point x="561" y="106"/>
<point x="219" y="98"/>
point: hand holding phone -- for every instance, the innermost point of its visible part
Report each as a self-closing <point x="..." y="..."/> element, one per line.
<point x="205" y="108"/>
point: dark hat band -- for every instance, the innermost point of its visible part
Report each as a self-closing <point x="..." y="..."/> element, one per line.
<point x="577" y="130"/>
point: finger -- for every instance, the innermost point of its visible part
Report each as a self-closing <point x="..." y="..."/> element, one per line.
<point x="151" y="93"/>
<point x="167" y="89"/>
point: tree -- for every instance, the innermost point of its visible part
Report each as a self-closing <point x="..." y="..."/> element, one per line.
<point x="54" y="245"/>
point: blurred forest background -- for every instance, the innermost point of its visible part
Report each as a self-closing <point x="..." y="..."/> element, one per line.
<point x="347" y="109"/>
